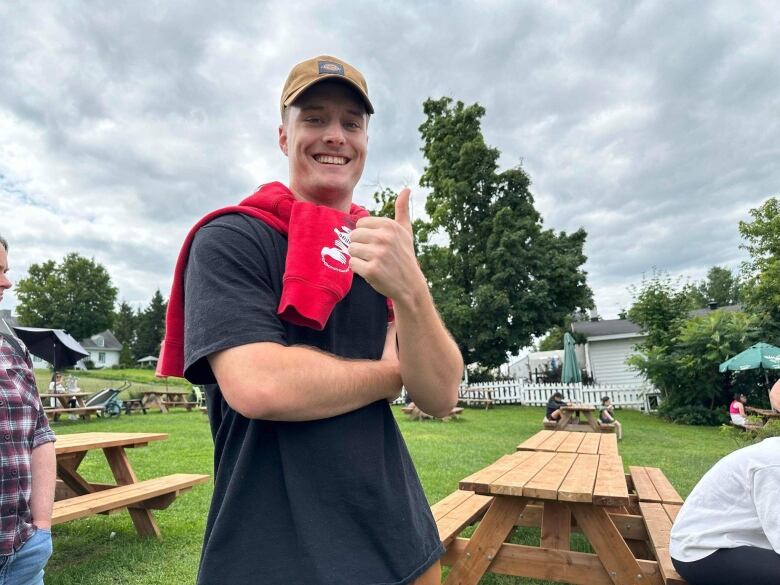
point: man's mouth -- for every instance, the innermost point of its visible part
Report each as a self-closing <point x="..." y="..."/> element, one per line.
<point x="327" y="159"/>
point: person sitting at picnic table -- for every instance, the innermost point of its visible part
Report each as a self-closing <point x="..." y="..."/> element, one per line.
<point x="737" y="409"/>
<point x="728" y="530"/>
<point x="554" y="407"/>
<point x="56" y="386"/>
<point x="606" y="416"/>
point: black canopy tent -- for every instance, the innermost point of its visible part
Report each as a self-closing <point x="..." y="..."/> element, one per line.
<point x="53" y="345"/>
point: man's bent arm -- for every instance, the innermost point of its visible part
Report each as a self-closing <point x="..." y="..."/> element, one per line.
<point x="43" y="464"/>
<point x="274" y="382"/>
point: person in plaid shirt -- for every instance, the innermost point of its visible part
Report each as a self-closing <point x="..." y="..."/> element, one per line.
<point x="27" y="462"/>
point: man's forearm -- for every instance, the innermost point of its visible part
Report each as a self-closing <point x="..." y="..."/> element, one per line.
<point x="274" y="382"/>
<point x="43" y="463"/>
<point x="431" y="364"/>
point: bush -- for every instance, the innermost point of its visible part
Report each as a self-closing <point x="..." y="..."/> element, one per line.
<point x="89" y="364"/>
<point x="695" y="415"/>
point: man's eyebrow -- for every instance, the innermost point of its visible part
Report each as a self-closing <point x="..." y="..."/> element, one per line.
<point x="312" y="107"/>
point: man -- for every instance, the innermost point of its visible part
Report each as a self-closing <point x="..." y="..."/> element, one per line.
<point x="313" y="482"/>
<point x="29" y="463"/>
<point x="774" y="397"/>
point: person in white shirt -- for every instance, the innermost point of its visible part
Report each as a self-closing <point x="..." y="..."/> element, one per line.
<point x="728" y="530"/>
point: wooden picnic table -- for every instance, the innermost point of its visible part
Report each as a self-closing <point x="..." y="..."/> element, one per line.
<point x="476" y="395"/>
<point x="586" y="486"/>
<point x="166" y="399"/>
<point x="567" y="423"/>
<point x="77" y="497"/>
<point x="64" y="398"/>
<point x="766" y="415"/>
<point x="570" y="442"/>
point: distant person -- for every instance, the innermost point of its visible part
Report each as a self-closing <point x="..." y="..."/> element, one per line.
<point x="28" y="462"/>
<point x="728" y="530"/>
<point x="774" y="396"/>
<point x="737" y="410"/>
<point x="554" y="407"/>
<point x="607" y="416"/>
<point x="56" y="387"/>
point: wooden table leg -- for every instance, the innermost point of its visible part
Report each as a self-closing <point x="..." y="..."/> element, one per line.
<point x="66" y="471"/>
<point x="493" y="530"/>
<point x="123" y="473"/>
<point x="592" y="422"/>
<point x="612" y="550"/>
<point x="564" y="420"/>
<point x="556" y="526"/>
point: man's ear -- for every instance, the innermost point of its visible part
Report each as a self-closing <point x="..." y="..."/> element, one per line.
<point x="283" y="138"/>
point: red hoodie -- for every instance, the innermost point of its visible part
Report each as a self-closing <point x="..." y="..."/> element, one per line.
<point x="316" y="275"/>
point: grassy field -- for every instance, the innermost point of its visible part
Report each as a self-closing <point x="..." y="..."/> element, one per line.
<point x="444" y="452"/>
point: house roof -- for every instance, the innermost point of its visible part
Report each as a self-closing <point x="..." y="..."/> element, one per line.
<point x="110" y="342"/>
<point x="606" y="327"/>
<point x="627" y="328"/>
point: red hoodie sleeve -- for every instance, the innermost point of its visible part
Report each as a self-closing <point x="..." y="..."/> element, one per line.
<point x="317" y="273"/>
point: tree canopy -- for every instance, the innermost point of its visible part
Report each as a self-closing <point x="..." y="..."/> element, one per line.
<point x="150" y="327"/>
<point x="76" y="295"/>
<point x="500" y="278"/>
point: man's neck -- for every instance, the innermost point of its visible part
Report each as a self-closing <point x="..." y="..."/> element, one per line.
<point x="340" y="202"/>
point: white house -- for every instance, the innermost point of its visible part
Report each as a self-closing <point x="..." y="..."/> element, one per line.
<point x="103" y="348"/>
<point x="609" y="344"/>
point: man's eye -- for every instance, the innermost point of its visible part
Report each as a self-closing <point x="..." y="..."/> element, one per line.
<point x="352" y="125"/>
<point x="313" y="120"/>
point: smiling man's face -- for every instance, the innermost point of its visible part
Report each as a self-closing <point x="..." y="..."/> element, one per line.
<point x="324" y="136"/>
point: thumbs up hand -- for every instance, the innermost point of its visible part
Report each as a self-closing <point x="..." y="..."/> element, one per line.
<point x="382" y="252"/>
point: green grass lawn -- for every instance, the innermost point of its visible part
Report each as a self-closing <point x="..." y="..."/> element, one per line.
<point x="93" y="380"/>
<point x="444" y="452"/>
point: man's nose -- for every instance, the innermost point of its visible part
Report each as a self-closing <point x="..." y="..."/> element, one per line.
<point x="334" y="134"/>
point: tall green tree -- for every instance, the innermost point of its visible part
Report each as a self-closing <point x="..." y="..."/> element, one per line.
<point x="660" y="307"/>
<point x="721" y="286"/>
<point x="76" y="295"/>
<point x="150" y="327"/>
<point x="124" y="330"/>
<point x="761" y="290"/>
<point x="501" y="278"/>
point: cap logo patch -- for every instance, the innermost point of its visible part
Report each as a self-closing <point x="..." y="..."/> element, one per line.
<point x="330" y="68"/>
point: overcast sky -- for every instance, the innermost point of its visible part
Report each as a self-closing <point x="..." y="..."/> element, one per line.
<point x="653" y="125"/>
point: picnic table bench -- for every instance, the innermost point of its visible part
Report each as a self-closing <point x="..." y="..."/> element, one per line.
<point x="561" y="483"/>
<point x="134" y="404"/>
<point x="80" y="409"/>
<point x="476" y="396"/>
<point x="568" y="423"/>
<point x="76" y="497"/>
<point x="167" y="399"/>
<point x="766" y="415"/>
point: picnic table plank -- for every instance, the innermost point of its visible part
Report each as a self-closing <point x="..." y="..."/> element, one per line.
<point x="672" y="510"/>
<point x="590" y="443"/>
<point x="610" y="488"/>
<point x="513" y="481"/>
<point x="545" y="483"/>
<point x="663" y="486"/>
<point x="455" y="519"/>
<point x="643" y="485"/>
<point x="532" y="443"/>
<point x="571" y="443"/>
<point x="659" y="527"/>
<point x="441" y="508"/>
<point x="78" y="442"/>
<point x="478" y="480"/>
<point x="608" y="444"/>
<point x="578" y="485"/>
<point x="553" y="442"/>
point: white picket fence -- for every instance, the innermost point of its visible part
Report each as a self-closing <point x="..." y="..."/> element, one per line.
<point x="638" y="397"/>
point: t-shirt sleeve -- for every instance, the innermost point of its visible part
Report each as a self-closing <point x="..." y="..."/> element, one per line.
<point x="766" y="486"/>
<point x="231" y="292"/>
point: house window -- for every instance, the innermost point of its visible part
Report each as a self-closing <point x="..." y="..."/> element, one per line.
<point x="101" y="357"/>
<point x="99" y="341"/>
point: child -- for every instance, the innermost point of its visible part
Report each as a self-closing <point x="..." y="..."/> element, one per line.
<point x="554" y="407"/>
<point x="606" y="416"/>
<point x="737" y="409"/>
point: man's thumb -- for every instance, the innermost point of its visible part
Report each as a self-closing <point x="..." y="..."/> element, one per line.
<point x="402" y="209"/>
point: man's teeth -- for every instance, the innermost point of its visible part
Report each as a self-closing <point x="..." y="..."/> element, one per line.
<point x="330" y="160"/>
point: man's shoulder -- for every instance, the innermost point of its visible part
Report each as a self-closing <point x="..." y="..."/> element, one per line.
<point x="240" y="223"/>
<point x="13" y="345"/>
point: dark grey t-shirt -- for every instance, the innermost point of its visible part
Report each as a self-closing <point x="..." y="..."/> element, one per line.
<point x="334" y="501"/>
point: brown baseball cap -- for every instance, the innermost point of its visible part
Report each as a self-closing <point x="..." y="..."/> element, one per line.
<point x="311" y="71"/>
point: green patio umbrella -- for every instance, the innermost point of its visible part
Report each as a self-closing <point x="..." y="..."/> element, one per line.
<point x="571" y="369"/>
<point x="760" y="355"/>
